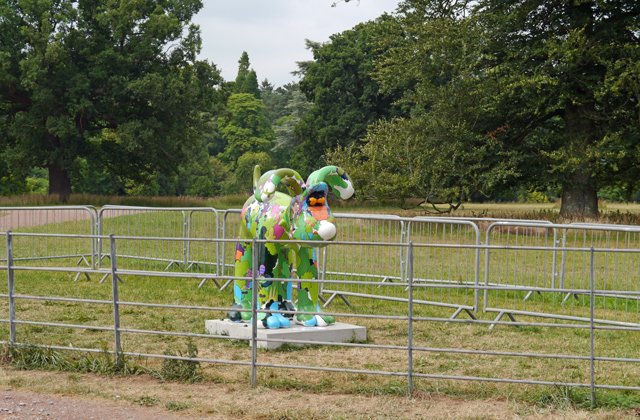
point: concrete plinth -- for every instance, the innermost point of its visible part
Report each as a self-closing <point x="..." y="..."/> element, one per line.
<point x="334" y="333"/>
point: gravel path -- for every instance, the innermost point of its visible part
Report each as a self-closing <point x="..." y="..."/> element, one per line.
<point x="29" y="406"/>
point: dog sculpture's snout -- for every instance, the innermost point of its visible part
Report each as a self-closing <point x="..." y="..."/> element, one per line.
<point x="327" y="230"/>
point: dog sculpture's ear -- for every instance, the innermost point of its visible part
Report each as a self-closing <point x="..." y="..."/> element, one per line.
<point x="265" y="185"/>
<point x="336" y="178"/>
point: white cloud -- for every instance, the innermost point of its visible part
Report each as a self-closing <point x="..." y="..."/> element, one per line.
<point x="273" y="32"/>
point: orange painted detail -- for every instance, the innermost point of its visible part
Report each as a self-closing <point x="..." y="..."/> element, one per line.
<point x="319" y="212"/>
<point x="238" y="255"/>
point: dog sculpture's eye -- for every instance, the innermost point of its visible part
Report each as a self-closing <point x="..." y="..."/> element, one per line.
<point x="316" y="198"/>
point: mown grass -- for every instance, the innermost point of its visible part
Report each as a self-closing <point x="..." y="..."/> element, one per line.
<point x="609" y="343"/>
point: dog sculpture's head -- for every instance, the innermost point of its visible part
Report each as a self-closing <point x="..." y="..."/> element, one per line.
<point x="310" y="217"/>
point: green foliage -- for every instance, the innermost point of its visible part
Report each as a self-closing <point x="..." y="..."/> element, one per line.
<point x="297" y="107"/>
<point x="101" y="84"/>
<point x="244" y="172"/>
<point x="11" y="184"/>
<point x="346" y="98"/>
<point x="177" y="406"/>
<point x="276" y="99"/>
<point x="247" y="128"/>
<point x="247" y="79"/>
<point x="552" y="100"/>
<point x="33" y="357"/>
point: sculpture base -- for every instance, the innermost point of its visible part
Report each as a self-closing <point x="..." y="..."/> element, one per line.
<point x="334" y="333"/>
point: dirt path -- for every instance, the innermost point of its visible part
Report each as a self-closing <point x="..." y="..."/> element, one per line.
<point x="28" y="405"/>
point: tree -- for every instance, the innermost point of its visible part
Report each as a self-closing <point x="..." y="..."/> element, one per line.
<point x="247" y="79"/>
<point x="276" y="99"/>
<point x="246" y="129"/>
<point x="339" y="81"/>
<point x="117" y="84"/>
<point x="243" y="69"/>
<point x="296" y="108"/>
<point x="243" y="177"/>
<point x="556" y="84"/>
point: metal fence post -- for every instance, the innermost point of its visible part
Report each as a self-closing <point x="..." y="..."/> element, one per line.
<point x="186" y="233"/>
<point x="410" y="346"/>
<point x="254" y="312"/>
<point x="12" y="299"/>
<point x="116" y="309"/>
<point x="592" y="305"/>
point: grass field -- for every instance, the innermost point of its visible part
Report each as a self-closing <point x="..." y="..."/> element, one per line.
<point x="428" y="334"/>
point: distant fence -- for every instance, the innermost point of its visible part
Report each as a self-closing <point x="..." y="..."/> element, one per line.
<point x="591" y="286"/>
<point x="555" y="284"/>
<point x="40" y="250"/>
<point x="152" y="222"/>
<point x="531" y="256"/>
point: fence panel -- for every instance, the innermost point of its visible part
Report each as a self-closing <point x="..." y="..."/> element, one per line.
<point x="230" y="229"/>
<point x="562" y="271"/>
<point x="434" y="265"/>
<point x="364" y="263"/>
<point x="452" y="263"/>
<point x="154" y="316"/>
<point x="146" y="222"/>
<point x="43" y="251"/>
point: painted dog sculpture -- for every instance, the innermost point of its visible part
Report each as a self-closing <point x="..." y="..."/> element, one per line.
<point x="271" y="215"/>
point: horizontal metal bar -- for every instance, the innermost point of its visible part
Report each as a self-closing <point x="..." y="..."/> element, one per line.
<point x="394" y="299"/>
<point x="513" y="381"/>
<point x="179" y="334"/>
<point x="341" y="370"/>
<point x="557" y="316"/>
<point x="52" y="324"/>
<point x="62" y="299"/>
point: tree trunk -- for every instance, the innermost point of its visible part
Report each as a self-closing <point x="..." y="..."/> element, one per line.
<point x="579" y="196"/>
<point x="59" y="182"/>
<point x="579" y="192"/>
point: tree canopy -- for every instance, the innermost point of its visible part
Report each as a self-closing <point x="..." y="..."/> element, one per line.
<point x="529" y="92"/>
<point x="346" y="98"/>
<point x="116" y="84"/>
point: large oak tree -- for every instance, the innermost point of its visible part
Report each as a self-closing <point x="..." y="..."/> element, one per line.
<point x="114" y="82"/>
<point x="536" y="92"/>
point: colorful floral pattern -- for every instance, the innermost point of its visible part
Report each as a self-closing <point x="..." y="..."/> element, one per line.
<point x="271" y="215"/>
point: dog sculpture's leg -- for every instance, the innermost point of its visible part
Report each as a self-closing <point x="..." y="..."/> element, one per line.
<point x="307" y="291"/>
<point x="242" y="288"/>
<point x="270" y="291"/>
<point x="283" y="271"/>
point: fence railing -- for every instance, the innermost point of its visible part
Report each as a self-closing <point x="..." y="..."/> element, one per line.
<point x="180" y="223"/>
<point x="69" y="220"/>
<point x="569" y="268"/>
<point x="439" y="265"/>
<point x="410" y="336"/>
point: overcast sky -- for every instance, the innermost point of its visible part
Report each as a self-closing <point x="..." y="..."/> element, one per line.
<point x="273" y="32"/>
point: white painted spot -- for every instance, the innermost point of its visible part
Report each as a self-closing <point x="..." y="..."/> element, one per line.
<point x="269" y="187"/>
<point x="320" y="322"/>
<point x="327" y="230"/>
<point x="345" y="192"/>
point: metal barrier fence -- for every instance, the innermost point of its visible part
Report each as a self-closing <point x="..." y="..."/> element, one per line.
<point x="137" y="317"/>
<point x="438" y="265"/>
<point x="180" y="223"/>
<point x="564" y="267"/>
<point x="40" y="251"/>
<point x="366" y="263"/>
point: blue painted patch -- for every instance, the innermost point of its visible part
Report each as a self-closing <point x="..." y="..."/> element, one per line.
<point x="237" y="292"/>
